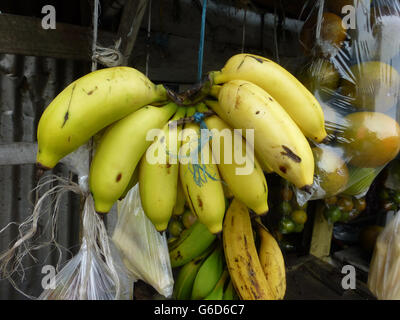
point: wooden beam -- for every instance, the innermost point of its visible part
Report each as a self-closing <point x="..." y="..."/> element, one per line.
<point x="18" y="153"/>
<point x="25" y="36"/>
<point x="131" y="20"/>
<point x="21" y="153"/>
<point x="321" y="235"/>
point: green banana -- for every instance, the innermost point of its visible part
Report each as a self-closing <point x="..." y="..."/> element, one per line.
<point x="208" y="275"/>
<point x="218" y="292"/>
<point x="185" y="279"/>
<point x="191" y="243"/>
<point x="230" y="292"/>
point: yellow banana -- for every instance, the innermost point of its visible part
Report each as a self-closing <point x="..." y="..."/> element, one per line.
<point x="264" y="165"/>
<point x="290" y="93"/>
<point x="88" y="105"/>
<point x="277" y="139"/>
<point x="241" y="255"/>
<point x="201" y="182"/>
<point x="132" y="182"/>
<point x="180" y="202"/>
<point x="119" y="151"/>
<point x="272" y="262"/>
<point x="246" y="181"/>
<point x="158" y="179"/>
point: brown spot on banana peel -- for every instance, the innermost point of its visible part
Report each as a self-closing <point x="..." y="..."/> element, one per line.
<point x="118" y="178"/>
<point x="178" y="255"/>
<point x="256" y="58"/>
<point x="66" y="115"/>
<point x="91" y="91"/>
<point x="199" y="201"/>
<point x="290" y="154"/>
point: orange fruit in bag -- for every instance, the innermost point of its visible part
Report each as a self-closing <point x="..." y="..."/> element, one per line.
<point x="329" y="40"/>
<point x="375" y="86"/>
<point x="371" y="139"/>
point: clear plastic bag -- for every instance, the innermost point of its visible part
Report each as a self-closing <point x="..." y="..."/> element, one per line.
<point x="384" y="272"/>
<point x="95" y="272"/>
<point x="352" y="49"/>
<point x="143" y="249"/>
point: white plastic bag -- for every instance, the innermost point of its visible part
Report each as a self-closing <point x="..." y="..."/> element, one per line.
<point x="384" y="274"/>
<point x="94" y="272"/>
<point x="143" y="249"/>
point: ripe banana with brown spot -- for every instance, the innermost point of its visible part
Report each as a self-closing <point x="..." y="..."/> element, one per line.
<point x="201" y="182"/>
<point x="290" y="93"/>
<point x="241" y="255"/>
<point x="88" y="105"/>
<point x="120" y="150"/>
<point x="277" y="139"/>
<point x="246" y="181"/>
<point x="272" y="262"/>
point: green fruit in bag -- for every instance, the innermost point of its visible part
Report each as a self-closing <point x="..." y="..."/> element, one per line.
<point x="360" y="180"/>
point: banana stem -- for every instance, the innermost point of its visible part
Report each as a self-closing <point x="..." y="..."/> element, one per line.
<point x="216" y="77"/>
<point x="201" y="107"/>
<point x="215" y="89"/>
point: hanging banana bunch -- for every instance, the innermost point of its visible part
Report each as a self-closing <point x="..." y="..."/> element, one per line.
<point x="200" y="159"/>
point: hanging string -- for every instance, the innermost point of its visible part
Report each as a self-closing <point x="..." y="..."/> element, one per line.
<point x="276" y="45"/>
<point x="201" y="46"/>
<point x="109" y="57"/>
<point x="148" y="40"/>
<point x="199" y="170"/>
<point x="244" y="28"/>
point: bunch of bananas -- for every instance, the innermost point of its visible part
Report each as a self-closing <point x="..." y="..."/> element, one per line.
<point x="147" y="134"/>
<point x="120" y="106"/>
<point x="203" y="274"/>
<point x="233" y="269"/>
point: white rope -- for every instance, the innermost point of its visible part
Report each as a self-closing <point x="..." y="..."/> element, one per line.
<point x="109" y="57"/>
<point x="95" y="27"/>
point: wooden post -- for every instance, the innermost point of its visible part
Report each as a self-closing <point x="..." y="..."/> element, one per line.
<point x="321" y="235"/>
<point x="129" y="26"/>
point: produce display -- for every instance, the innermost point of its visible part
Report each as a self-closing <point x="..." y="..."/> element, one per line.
<point x="226" y="168"/>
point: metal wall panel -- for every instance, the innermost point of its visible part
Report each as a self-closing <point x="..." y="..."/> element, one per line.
<point x="27" y="85"/>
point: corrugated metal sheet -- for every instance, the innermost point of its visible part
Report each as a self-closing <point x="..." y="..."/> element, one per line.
<point x="27" y="85"/>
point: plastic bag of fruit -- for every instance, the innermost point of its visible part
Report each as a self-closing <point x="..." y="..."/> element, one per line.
<point x="96" y="271"/>
<point x="143" y="249"/>
<point x="384" y="273"/>
<point x="352" y="52"/>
